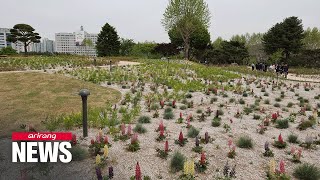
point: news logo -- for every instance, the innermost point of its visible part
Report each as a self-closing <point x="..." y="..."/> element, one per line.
<point x="41" y="147"/>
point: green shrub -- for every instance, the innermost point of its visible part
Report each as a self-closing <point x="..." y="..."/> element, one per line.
<point x="267" y="101"/>
<point x="214" y="99"/>
<point x="140" y="129"/>
<point x="122" y="109"/>
<point x="193" y="132"/>
<point x="245" y="142"/>
<point x="199" y="111"/>
<point x="241" y="101"/>
<point x="177" y="162"/>
<point x="247" y="110"/>
<point x="155" y="106"/>
<point x="168" y="115"/>
<point x="256" y="116"/>
<point x="278" y="99"/>
<point x="290" y="104"/>
<point x="144" y="119"/>
<point x="168" y="110"/>
<point x="307" y="172"/>
<point x="292" y="138"/>
<point x="188" y="96"/>
<point x="78" y="153"/>
<point x="183" y="107"/>
<point x="232" y="100"/>
<point x="282" y="124"/>
<point x="216" y="122"/>
<point x="276" y="105"/>
<point x="266" y="94"/>
<point x="305" y="125"/>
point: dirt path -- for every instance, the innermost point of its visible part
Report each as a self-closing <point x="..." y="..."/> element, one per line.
<point x="308" y="78"/>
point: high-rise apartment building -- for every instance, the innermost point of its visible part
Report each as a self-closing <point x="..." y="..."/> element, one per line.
<point x="4" y="32"/>
<point x="80" y="43"/>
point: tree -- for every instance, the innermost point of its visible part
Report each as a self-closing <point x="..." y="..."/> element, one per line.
<point x="8" y="51"/>
<point x="145" y="49"/>
<point x="199" y="39"/>
<point x="126" y="46"/>
<point x="87" y="43"/>
<point x="287" y="35"/>
<point x="166" y="49"/>
<point x="217" y="43"/>
<point x="108" y="43"/>
<point x="185" y="17"/>
<point x="23" y="33"/>
<point x="311" y="40"/>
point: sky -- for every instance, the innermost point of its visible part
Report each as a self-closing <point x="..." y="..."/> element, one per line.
<point x="140" y="20"/>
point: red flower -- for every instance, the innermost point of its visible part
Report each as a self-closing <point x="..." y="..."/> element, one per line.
<point x="229" y="142"/>
<point x="166" y="146"/>
<point x="181" y="137"/>
<point x="161" y="127"/>
<point x="162" y="103"/>
<point x="92" y="141"/>
<point x="274" y="116"/>
<point x="180" y="115"/>
<point x="203" y="159"/>
<point x="282" y="168"/>
<point x="173" y="103"/>
<point x="161" y="133"/>
<point x="123" y="129"/>
<point x="280" y="139"/>
<point x="106" y="141"/>
<point x="138" y="172"/>
<point x="129" y="130"/>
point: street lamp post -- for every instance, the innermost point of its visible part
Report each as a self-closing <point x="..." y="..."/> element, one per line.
<point x="84" y="93"/>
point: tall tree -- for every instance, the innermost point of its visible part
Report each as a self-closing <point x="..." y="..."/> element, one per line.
<point x="126" y="46"/>
<point x="87" y="43"/>
<point x="286" y="35"/>
<point x="108" y="43"/>
<point x="23" y="33"/>
<point x="312" y="38"/>
<point x="186" y="16"/>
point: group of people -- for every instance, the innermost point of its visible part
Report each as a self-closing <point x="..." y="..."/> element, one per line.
<point x="278" y="68"/>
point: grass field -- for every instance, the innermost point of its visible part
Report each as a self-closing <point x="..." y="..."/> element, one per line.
<point x="30" y="97"/>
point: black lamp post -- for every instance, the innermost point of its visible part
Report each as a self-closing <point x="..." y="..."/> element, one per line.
<point x="84" y="93"/>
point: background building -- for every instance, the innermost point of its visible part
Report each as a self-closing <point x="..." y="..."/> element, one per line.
<point x="73" y="43"/>
<point x="4" y="32"/>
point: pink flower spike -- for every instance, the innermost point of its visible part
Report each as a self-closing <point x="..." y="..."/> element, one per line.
<point x="282" y="167"/>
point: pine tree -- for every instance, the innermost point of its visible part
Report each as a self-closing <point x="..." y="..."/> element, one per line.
<point x="108" y="43"/>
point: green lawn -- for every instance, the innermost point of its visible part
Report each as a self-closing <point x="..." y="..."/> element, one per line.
<point x="30" y="97"/>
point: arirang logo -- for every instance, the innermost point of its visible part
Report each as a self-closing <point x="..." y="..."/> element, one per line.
<point x="30" y="147"/>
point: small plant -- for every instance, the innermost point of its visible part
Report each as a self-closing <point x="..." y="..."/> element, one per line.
<point x="177" y="162"/>
<point x="161" y="136"/>
<point x="307" y="172"/>
<point x="266" y="94"/>
<point x="199" y="111"/>
<point x="296" y="154"/>
<point x="202" y="117"/>
<point x="232" y="149"/>
<point x="183" y="107"/>
<point x="138" y="175"/>
<point x="180" y="120"/>
<point x="193" y="132"/>
<point x="201" y="166"/>
<point x="241" y="101"/>
<point x="168" y="115"/>
<point x="163" y="154"/>
<point x="290" y="104"/>
<point x="292" y="138"/>
<point x="267" y="151"/>
<point x="229" y="173"/>
<point x="188" y="171"/>
<point x="216" y="122"/>
<point x="276" y="105"/>
<point x="278" y="99"/>
<point x="261" y="128"/>
<point x="144" y="119"/>
<point x="188" y="96"/>
<point x="181" y="140"/>
<point x="245" y="142"/>
<point x="282" y="124"/>
<point x="277" y="174"/>
<point x="134" y="144"/>
<point x="256" y="116"/>
<point x="305" y="124"/>
<point x="232" y="100"/>
<point x="280" y="143"/>
<point x="139" y="129"/>
<point x="78" y="153"/>
<point x="226" y="127"/>
<point x="155" y="114"/>
<point x="266" y="101"/>
<point x="247" y="110"/>
<point x="197" y="148"/>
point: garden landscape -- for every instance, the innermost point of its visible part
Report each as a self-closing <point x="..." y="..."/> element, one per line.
<point x="181" y="110"/>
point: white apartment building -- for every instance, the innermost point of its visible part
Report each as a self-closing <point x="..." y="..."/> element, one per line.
<point x="4" y="32"/>
<point x="72" y="43"/>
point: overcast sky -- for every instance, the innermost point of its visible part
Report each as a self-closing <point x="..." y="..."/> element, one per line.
<point x="140" y="19"/>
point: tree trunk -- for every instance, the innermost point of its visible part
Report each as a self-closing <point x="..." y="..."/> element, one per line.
<point x="25" y="48"/>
